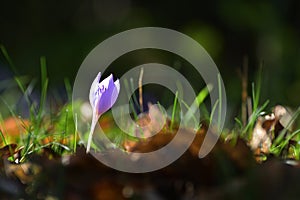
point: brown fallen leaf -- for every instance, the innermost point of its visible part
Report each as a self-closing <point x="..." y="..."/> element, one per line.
<point x="266" y="129"/>
<point x="25" y="172"/>
<point x="151" y="122"/>
<point x="261" y="137"/>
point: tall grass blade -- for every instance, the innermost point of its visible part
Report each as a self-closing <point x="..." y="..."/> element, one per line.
<point x="8" y="59"/>
<point x="131" y="104"/>
<point x="68" y="89"/>
<point x="197" y="102"/>
<point x="174" y="110"/>
<point x="220" y="103"/>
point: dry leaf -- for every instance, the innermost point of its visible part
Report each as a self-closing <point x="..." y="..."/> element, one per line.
<point x="261" y="137"/>
<point x="267" y="128"/>
<point x="151" y="123"/>
<point x="25" y="172"/>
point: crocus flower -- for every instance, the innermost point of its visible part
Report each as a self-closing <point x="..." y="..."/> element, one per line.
<point x="103" y="95"/>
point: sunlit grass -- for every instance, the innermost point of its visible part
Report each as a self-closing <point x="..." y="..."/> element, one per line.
<point x="46" y="127"/>
<point x="279" y="143"/>
<point x="45" y="130"/>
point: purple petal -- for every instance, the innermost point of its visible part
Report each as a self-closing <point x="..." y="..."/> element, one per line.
<point x="102" y="97"/>
<point x="109" y="94"/>
<point x="94" y="88"/>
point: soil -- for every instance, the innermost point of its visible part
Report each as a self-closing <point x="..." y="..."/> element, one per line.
<point x="228" y="172"/>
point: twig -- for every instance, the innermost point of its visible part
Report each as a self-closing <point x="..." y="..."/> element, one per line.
<point x="141" y="89"/>
<point x="244" y="90"/>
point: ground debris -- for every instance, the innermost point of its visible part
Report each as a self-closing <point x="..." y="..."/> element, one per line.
<point x="266" y="129"/>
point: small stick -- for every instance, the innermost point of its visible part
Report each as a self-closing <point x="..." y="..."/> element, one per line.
<point x="244" y="90"/>
<point x="141" y="89"/>
<point x="249" y="106"/>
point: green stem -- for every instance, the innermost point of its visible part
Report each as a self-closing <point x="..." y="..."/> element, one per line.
<point x="93" y="125"/>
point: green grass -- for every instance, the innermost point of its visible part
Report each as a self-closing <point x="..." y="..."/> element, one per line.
<point x="133" y="101"/>
<point x="45" y="130"/>
<point x="192" y="109"/>
<point x="282" y="141"/>
<point x="57" y="129"/>
<point x="174" y="110"/>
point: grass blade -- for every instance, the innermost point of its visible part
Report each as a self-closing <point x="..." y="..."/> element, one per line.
<point x="174" y="110"/>
<point x="197" y="102"/>
<point x="68" y="89"/>
<point x="8" y="59"/>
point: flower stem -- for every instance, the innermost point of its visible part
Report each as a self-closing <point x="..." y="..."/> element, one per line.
<point x="93" y="125"/>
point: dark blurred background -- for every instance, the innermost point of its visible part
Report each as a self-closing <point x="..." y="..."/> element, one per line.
<point x="66" y="31"/>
